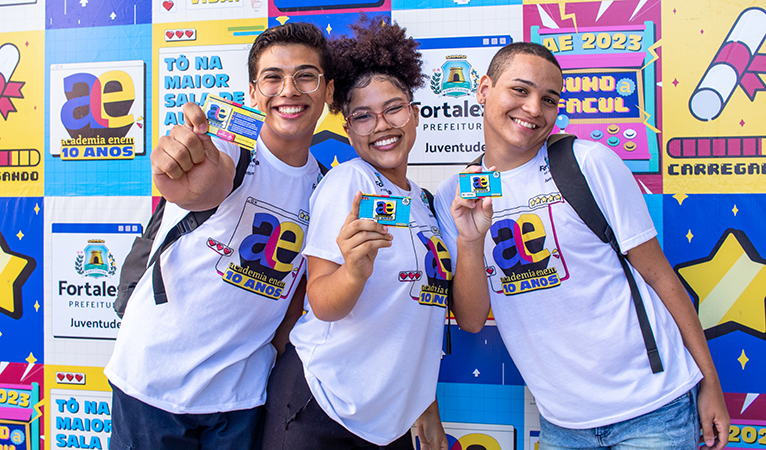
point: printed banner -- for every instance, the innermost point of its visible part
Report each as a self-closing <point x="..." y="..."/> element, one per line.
<point x="86" y="276"/>
<point x="79" y="407"/>
<point x="610" y="66"/>
<point x="21" y="277"/>
<point x="451" y="120"/>
<point x="714" y="136"/>
<point x="22" y="101"/>
<point x="20" y="403"/>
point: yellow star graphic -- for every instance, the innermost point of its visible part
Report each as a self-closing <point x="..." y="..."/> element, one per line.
<point x="729" y="286"/>
<point x="14" y="271"/>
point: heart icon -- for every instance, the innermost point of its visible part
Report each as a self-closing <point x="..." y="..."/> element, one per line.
<point x="219" y="247"/>
<point x="412" y="275"/>
<point x="167" y="5"/>
<point x="169" y="34"/>
<point x="210" y="242"/>
<point x="403" y="276"/>
<point x="69" y="376"/>
<point x="417" y="276"/>
<point x="78" y="377"/>
<point x="179" y="33"/>
<point x="60" y="376"/>
<point x="189" y="33"/>
<point x="227" y="251"/>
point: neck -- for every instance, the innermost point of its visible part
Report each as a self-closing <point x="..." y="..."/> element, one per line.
<point x="505" y="158"/>
<point x="292" y="151"/>
<point x="396" y="175"/>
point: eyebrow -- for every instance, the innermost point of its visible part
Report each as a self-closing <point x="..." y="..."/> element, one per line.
<point x="386" y="104"/>
<point x="531" y="83"/>
<point x="281" y="69"/>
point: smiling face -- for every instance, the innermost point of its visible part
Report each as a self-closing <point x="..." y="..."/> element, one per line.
<point x="291" y="116"/>
<point x="519" y="109"/>
<point x="387" y="148"/>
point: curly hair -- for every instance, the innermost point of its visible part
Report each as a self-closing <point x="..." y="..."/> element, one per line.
<point x="377" y="47"/>
<point x="291" y="33"/>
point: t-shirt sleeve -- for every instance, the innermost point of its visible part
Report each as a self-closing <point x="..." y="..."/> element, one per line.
<point x="616" y="193"/>
<point x="445" y="194"/>
<point x="329" y="207"/>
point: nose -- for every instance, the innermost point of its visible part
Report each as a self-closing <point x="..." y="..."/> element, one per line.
<point x="381" y="124"/>
<point x="533" y="107"/>
<point x="290" y="90"/>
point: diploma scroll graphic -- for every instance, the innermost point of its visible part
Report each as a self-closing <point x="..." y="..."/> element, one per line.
<point x="736" y="63"/>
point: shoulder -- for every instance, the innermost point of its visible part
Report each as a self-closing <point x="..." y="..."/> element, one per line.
<point x="595" y="155"/>
<point x="446" y="189"/>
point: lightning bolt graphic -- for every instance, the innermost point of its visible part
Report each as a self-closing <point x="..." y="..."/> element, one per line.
<point x="564" y="15"/>
<point x="646" y="121"/>
<point x="37" y="407"/>
<point x="655" y="56"/>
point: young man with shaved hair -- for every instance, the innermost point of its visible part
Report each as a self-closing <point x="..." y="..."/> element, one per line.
<point x="559" y="294"/>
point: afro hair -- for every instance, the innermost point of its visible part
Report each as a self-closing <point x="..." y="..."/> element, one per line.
<point x="377" y="47"/>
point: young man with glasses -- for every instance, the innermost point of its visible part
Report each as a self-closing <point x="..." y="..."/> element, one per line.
<point x="191" y="373"/>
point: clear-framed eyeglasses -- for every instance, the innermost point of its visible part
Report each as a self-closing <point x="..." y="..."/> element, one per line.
<point x="363" y="123"/>
<point x="306" y="81"/>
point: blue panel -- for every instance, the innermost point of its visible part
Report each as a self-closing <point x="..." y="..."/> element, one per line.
<point x="21" y="239"/>
<point x="100" y="177"/>
<point x="93" y="13"/>
<point x="479" y="358"/>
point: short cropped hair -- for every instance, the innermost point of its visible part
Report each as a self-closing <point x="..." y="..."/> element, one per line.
<point x="291" y="33"/>
<point x="377" y="47"/>
<point x="505" y="55"/>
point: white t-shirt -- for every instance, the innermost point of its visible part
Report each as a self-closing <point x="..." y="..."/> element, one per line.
<point x="375" y="370"/>
<point x="229" y="282"/>
<point x="561" y="300"/>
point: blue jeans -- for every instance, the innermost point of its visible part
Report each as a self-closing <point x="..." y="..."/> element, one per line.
<point x="674" y="426"/>
<point x="136" y="425"/>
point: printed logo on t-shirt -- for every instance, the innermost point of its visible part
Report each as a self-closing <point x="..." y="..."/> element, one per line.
<point x="268" y="242"/>
<point x="438" y="265"/>
<point x="432" y="260"/>
<point x="524" y="248"/>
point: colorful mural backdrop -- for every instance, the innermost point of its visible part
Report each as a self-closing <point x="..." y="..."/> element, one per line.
<point x="87" y="88"/>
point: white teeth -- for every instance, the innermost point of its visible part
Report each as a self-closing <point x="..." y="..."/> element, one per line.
<point x="384" y="142"/>
<point x="525" y="124"/>
<point x="290" y="109"/>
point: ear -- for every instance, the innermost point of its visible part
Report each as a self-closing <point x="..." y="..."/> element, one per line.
<point x="485" y="83"/>
<point x="416" y="113"/>
<point x="253" y="92"/>
<point x="329" y="92"/>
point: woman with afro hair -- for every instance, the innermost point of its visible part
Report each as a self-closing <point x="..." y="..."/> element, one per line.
<point x="366" y="354"/>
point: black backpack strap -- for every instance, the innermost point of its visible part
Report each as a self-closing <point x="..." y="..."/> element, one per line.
<point x="476" y="162"/>
<point x="322" y="168"/>
<point x="575" y="190"/>
<point x="190" y="223"/>
<point x="448" y="343"/>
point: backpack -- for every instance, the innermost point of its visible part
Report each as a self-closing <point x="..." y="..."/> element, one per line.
<point x="137" y="260"/>
<point x="574" y="188"/>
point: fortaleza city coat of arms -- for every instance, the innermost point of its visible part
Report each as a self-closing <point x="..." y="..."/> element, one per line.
<point x="95" y="260"/>
<point x="455" y="78"/>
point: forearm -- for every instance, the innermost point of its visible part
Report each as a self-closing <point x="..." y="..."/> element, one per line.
<point x="470" y="288"/>
<point x="333" y="292"/>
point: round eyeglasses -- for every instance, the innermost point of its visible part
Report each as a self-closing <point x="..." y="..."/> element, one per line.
<point x="363" y="123"/>
<point x="271" y="84"/>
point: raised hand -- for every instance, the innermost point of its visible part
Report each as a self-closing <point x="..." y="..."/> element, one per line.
<point x="187" y="168"/>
